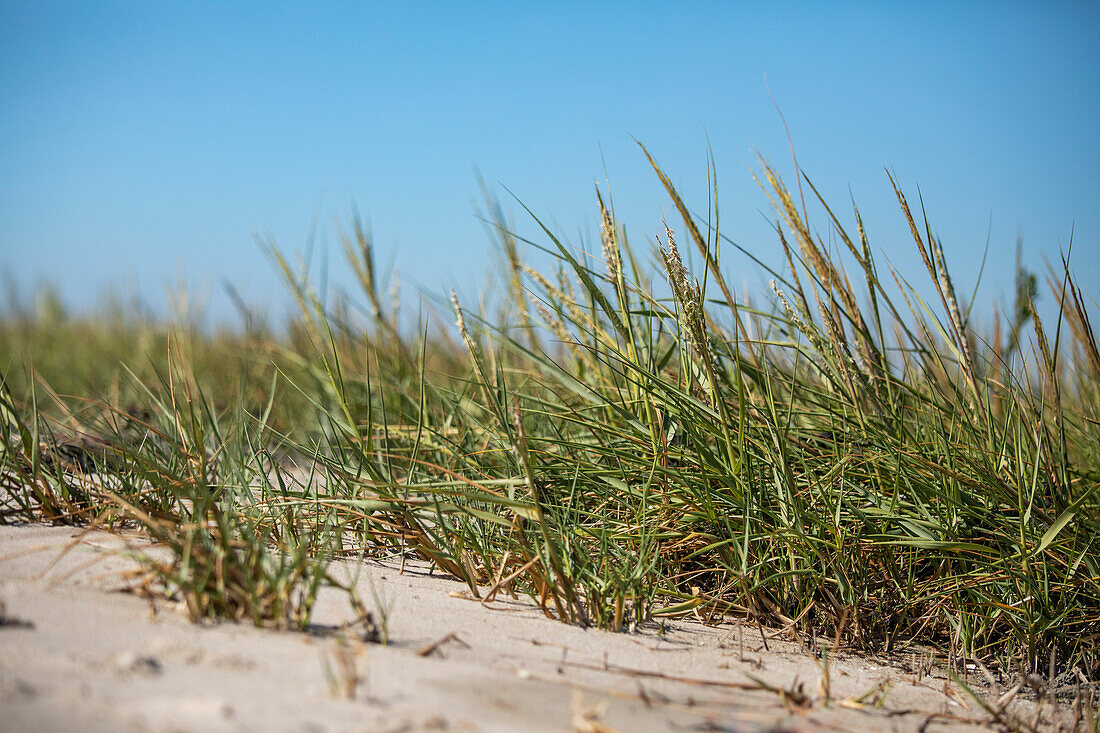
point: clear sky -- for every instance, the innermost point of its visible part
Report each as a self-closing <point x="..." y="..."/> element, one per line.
<point x="142" y="142"/>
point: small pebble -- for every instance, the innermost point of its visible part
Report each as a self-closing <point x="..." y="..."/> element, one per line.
<point x="134" y="663"/>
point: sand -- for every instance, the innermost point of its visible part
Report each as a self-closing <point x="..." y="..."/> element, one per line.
<point x="78" y="652"/>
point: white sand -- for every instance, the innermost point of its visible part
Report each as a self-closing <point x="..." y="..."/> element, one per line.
<point x="92" y="659"/>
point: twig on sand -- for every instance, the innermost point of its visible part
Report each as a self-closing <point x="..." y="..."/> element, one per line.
<point x="428" y="649"/>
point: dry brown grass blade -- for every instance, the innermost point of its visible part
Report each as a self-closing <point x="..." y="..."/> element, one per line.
<point x="434" y="646"/>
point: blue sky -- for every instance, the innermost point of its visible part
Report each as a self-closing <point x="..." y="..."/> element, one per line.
<point x="146" y="143"/>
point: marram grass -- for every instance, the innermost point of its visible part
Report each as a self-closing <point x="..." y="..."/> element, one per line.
<point x="844" y="460"/>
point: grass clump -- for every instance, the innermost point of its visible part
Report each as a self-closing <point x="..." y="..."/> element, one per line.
<point x="847" y="460"/>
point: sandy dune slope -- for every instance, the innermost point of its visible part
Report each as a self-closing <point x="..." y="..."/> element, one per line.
<point x="76" y="654"/>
